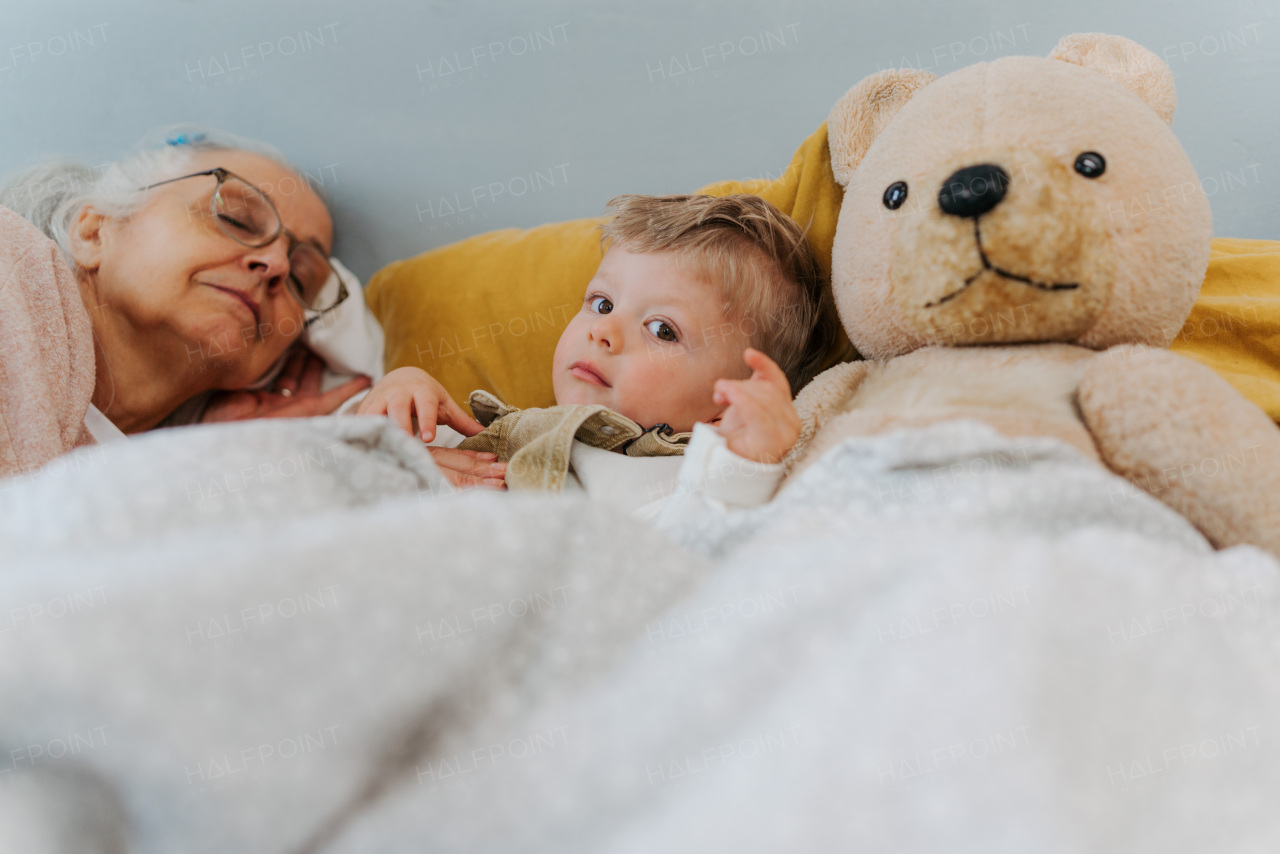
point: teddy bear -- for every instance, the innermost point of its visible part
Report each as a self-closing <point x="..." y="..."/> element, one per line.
<point x="1018" y="243"/>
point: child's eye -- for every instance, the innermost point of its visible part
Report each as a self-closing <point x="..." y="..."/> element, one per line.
<point x="661" y="330"/>
<point x="600" y="305"/>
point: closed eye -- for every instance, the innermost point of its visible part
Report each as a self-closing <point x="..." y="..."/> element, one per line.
<point x="662" y="330"/>
<point x="233" y="222"/>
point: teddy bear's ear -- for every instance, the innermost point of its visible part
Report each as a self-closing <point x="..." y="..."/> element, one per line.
<point x="857" y="118"/>
<point x="1127" y="63"/>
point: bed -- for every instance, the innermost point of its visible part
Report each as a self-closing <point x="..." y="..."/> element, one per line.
<point x="936" y="638"/>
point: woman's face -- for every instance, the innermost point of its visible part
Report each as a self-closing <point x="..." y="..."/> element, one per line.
<point x="177" y="281"/>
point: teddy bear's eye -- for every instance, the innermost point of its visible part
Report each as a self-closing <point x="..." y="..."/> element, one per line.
<point x="1091" y="164"/>
<point x="895" y="195"/>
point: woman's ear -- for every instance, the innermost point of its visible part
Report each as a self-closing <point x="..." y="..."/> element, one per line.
<point x="86" y="238"/>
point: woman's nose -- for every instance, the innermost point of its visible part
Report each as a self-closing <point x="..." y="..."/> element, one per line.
<point x="270" y="262"/>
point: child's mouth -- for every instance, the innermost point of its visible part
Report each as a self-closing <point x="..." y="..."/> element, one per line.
<point x="587" y="372"/>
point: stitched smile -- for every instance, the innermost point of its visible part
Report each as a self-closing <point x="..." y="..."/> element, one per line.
<point x="1013" y="277"/>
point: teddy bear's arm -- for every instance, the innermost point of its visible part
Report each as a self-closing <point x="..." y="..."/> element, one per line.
<point x="1176" y="429"/>
<point x="821" y="399"/>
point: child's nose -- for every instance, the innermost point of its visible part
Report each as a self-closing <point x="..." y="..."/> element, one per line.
<point x="605" y="332"/>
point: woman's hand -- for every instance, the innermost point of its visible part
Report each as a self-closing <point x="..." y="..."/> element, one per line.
<point x="760" y="423"/>
<point x="297" y="394"/>
<point x="470" y="468"/>
<point x="406" y="393"/>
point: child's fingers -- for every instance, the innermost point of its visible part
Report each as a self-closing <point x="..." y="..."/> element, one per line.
<point x="740" y="393"/>
<point x="453" y="415"/>
<point x="373" y="404"/>
<point x="726" y="387"/>
<point x="771" y="391"/>
<point x="763" y="367"/>
<point x="727" y="393"/>
<point x="398" y="411"/>
<point x="765" y="395"/>
<point x="426" y="406"/>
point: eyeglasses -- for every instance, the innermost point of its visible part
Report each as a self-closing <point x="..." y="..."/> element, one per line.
<point x="245" y="214"/>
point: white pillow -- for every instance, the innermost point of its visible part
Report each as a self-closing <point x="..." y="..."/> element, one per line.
<point x="348" y="338"/>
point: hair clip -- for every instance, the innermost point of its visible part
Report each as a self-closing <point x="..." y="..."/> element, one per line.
<point x="185" y="139"/>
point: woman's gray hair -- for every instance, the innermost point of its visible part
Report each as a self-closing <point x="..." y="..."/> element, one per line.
<point x="50" y="195"/>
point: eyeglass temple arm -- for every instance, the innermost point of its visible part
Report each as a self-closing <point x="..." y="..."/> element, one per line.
<point x="343" y="293"/>
<point x="219" y="171"/>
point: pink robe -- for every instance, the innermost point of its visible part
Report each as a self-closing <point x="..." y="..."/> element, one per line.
<point x="46" y="351"/>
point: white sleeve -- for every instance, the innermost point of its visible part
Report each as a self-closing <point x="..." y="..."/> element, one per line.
<point x="101" y="428"/>
<point x="712" y="469"/>
<point x="348" y="338"/>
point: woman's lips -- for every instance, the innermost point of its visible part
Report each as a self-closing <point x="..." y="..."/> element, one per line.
<point x="248" y="301"/>
<point x="588" y="372"/>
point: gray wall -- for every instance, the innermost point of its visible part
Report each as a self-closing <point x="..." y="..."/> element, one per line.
<point x="533" y="112"/>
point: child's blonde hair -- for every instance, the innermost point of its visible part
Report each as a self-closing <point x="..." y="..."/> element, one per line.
<point x="758" y="257"/>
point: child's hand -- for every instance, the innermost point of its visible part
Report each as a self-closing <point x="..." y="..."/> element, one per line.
<point x="408" y="392"/>
<point x="760" y="423"/>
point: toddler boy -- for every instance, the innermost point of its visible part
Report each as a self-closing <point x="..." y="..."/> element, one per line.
<point x="704" y="317"/>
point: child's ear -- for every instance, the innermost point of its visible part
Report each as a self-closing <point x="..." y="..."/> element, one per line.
<point x="87" y="238"/>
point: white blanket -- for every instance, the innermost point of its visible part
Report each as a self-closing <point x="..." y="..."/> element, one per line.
<point x="280" y="637"/>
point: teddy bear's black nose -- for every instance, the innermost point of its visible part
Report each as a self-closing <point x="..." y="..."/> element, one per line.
<point x="973" y="190"/>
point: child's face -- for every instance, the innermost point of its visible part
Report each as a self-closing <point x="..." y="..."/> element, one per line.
<point x="650" y="341"/>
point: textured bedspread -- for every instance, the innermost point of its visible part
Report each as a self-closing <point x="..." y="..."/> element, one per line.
<point x="293" y="636"/>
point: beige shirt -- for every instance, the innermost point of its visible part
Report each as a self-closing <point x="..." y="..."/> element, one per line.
<point x="641" y="486"/>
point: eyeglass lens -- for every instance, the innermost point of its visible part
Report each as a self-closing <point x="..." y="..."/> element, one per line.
<point x="245" y="215"/>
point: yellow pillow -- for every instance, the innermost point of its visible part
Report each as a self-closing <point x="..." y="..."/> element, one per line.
<point x="1234" y="326"/>
<point x="486" y="312"/>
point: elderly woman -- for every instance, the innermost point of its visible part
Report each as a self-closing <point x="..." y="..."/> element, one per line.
<point x="186" y="269"/>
